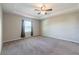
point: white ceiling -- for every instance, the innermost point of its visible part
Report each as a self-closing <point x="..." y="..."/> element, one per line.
<point x="27" y="9"/>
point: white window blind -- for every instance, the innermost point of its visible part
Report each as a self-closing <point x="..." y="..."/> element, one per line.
<point x="27" y="25"/>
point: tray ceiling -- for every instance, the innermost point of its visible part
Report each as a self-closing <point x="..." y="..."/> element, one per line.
<point x="27" y="9"/>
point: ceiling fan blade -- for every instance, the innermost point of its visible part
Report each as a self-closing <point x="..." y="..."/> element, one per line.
<point x="38" y="13"/>
<point x="45" y="13"/>
<point x="49" y="10"/>
<point x="37" y="10"/>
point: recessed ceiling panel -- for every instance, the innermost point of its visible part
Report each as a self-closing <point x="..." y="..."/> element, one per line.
<point x="28" y="9"/>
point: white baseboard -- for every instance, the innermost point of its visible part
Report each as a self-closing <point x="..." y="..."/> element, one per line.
<point x="39" y="35"/>
<point x="18" y="39"/>
<point x="11" y="40"/>
<point x="63" y="39"/>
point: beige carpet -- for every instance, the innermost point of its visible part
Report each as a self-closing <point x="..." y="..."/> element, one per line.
<point x="40" y="46"/>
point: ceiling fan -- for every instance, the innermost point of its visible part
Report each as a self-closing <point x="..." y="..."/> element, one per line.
<point x="43" y="9"/>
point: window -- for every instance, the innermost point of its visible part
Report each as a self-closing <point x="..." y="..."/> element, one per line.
<point x="27" y="25"/>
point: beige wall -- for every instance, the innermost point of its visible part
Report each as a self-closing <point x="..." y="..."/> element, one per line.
<point x="64" y="27"/>
<point x="12" y="27"/>
<point x="36" y="28"/>
<point x="0" y="28"/>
